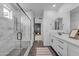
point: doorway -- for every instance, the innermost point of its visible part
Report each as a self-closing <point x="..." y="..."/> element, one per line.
<point x="37" y="29"/>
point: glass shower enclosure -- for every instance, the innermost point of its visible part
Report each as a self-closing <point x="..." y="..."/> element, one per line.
<point x="14" y="34"/>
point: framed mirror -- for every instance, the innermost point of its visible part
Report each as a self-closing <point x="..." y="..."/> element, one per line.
<point x="59" y="24"/>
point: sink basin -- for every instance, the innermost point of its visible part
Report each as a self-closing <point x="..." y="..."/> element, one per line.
<point x="59" y="33"/>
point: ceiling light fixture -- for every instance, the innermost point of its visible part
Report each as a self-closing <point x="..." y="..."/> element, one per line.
<point x="54" y="5"/>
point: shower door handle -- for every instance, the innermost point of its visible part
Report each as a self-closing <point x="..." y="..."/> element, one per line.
<point x="19" y="36"/>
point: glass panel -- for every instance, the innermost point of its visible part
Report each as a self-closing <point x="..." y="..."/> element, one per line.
<point x="7" y="36"/>
<point x="25" y="30"/>
<point x="14" y="34"/>
<point x="9" y="45"/>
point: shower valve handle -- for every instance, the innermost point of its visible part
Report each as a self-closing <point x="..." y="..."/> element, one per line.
<point x="19" y="36"/>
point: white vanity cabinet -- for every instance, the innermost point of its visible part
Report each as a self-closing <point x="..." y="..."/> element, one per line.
<point x="54" y="43"/>
<point x="73" y="50"/>
<point x="59" y="46"/>
<point x="65" y="46"/>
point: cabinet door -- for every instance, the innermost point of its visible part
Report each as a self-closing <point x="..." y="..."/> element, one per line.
<point x="65" y="49"/>
<point x="54" y="43"/>
<point x="73" y="50"/>
<point x="61" y="47"/>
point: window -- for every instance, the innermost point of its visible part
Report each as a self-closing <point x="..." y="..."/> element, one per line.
<point x="7" y="12"/>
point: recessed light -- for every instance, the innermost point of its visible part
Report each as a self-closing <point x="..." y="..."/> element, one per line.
<point x="54" y="5"/>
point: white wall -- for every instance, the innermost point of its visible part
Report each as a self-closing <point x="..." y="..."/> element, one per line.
<point x="37" y="20"/>
<point x="74" y="24"/>
<point x="49" y="17"/>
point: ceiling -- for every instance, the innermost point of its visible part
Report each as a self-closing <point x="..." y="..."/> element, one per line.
<point x="75" y="10"/>
<point x="38" y="8"/>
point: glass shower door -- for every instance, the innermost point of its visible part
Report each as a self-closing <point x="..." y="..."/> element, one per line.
<point x="16" y="37"/>
<point x="25" y="30"/>
<point x="23" y="33"/>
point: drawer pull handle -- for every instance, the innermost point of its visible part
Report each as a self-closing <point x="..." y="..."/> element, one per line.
<point x="52" y="41"/>
<point x="59" y="53"/>
<point x="60" y="41"/>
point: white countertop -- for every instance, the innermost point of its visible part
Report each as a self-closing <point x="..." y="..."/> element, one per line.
<point x="66" y="38"/>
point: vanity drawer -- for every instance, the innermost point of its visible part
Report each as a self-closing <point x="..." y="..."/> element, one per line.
<point x="60" y="47"/>
<point x="62" y="50"/>
<point x="59" y="51"/>
<point x="60" y="43"/>
<point x="59" y="40"/>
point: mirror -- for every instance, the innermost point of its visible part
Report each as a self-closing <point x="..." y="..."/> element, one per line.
<point x="58" y="24"/>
